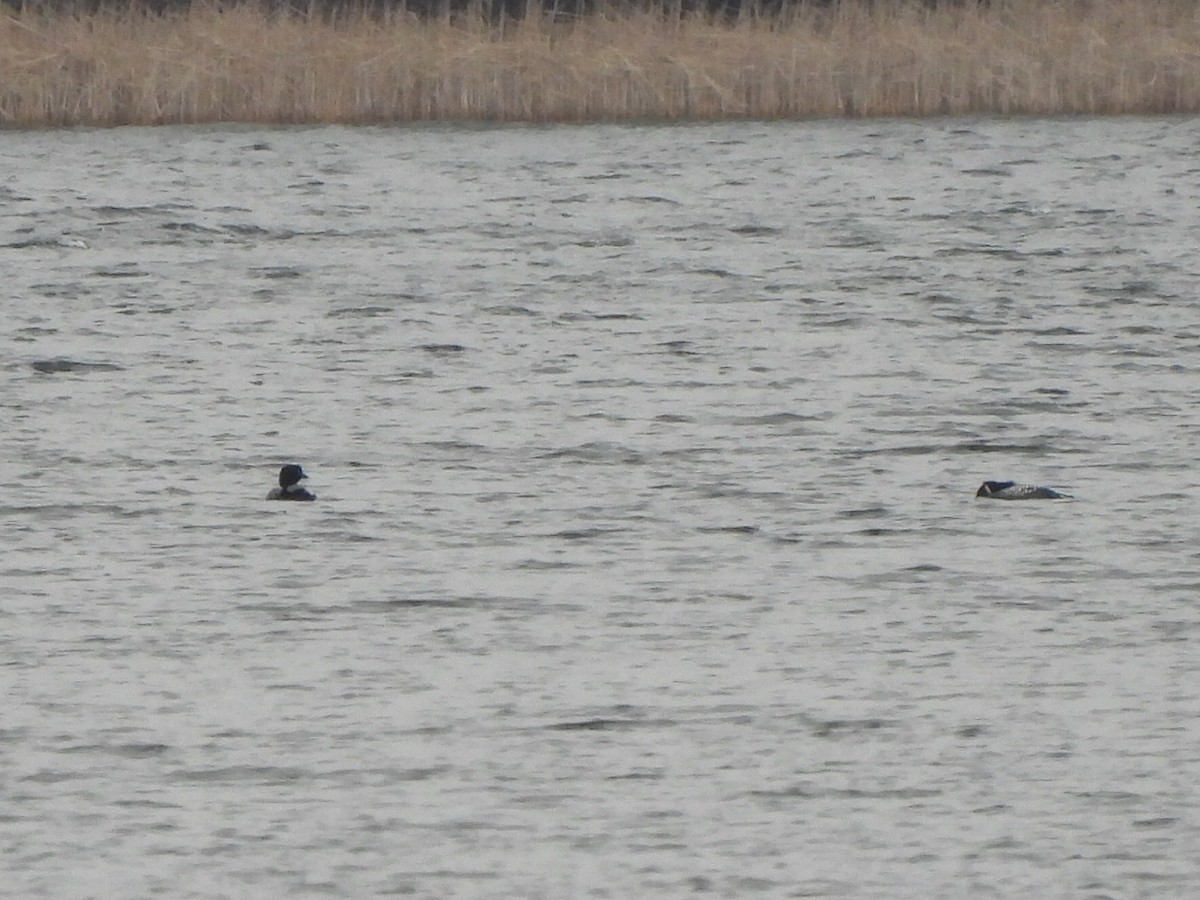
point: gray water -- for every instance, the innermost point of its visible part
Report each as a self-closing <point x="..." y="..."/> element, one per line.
<point x="646" y="560"/>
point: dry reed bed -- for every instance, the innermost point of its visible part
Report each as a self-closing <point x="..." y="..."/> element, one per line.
<point x="244" y="63"/>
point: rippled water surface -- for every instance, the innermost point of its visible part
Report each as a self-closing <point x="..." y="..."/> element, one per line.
<point x="647" y="561"/>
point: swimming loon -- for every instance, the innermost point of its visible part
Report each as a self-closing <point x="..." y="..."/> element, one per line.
<point x="289" y="485"/>
<point x="1010" y="490"/>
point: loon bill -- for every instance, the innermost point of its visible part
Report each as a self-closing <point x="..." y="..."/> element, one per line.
<point x="1010" y="490"/>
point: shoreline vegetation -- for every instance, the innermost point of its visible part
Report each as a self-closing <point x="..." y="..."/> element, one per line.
<point x="259" y="63"/>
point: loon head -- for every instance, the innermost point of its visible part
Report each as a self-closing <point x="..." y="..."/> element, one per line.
<point x="988" y="488"/>
<point x="290" y="475"/>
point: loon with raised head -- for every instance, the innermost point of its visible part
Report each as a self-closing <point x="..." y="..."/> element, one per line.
<point x="1010" y="490"/>
<point x="289" y="488"/>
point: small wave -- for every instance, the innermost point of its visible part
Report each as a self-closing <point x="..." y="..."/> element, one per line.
<point x="988" y="171"/>
<point x="277" y="272"/>
<point x="679" y="348"/>
<point x="360" y="312"/>
<point x="417" y="603"/>
<point x="755" y="230"/>
<point x="544" y="565"/>
<point x="511" y="310"/>
<point x="250" y="230"/>
<point x="596" y="452"/>
<point x="805" y="791"/>
<point x="242" y="774"/>
<point x="881" y="532"/>
<point x="129" y="751"/>
<point x="586" y="316"/>
<point x="126" y="270"/>
<point x="603" y="724"/>
<point x="189" y="228"/>
<point x="615" y="240"/>
<point x="653" y="198"/>
<point x="864" y="512"/>
<point x="34" y="243"/>
<point x="54" y="366"/>
<point x="777" y="418"/>
<point x="584" y="534"/>
<point x="607" y="317"/>
<point x="442" y="349"/>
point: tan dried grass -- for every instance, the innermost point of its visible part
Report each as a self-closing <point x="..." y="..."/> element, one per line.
<point x="890" y="58"/>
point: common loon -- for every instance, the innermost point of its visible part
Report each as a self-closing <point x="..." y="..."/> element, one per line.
<point x="289" y="485"/>
<point x="1010" y="490"/>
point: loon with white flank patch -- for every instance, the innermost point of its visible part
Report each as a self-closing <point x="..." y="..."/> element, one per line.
<point x="1010" y="490"/>
<point x="289" y="488"/>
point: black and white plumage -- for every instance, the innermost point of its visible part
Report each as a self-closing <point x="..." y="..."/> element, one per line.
<point x="1010" y="490"/>
<point x="289" y="488"/>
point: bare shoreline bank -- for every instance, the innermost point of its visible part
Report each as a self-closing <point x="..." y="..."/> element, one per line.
<point x="248" y="64"/>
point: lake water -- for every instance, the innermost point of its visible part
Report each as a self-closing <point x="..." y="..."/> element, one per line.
<point x="646" y="560"/>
